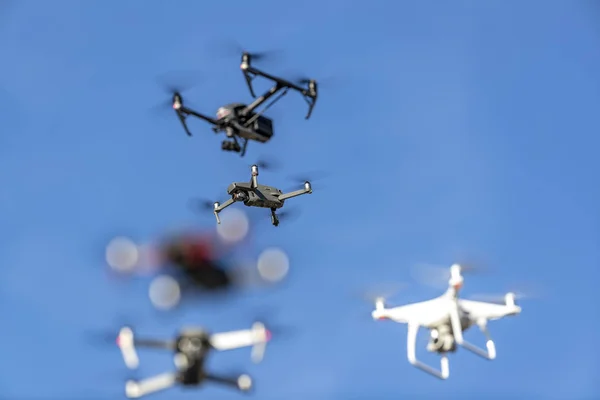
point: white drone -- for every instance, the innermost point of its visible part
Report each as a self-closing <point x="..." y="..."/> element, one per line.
<point x="191" y="348"/>
<point x="447" y="317"/>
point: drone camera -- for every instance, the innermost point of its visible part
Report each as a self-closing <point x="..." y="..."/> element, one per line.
<point x="230" y="146"/>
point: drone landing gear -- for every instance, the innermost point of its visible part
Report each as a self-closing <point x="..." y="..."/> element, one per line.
<point x="490" y="354"/>
<point x="274" y="218"/>
<point x="444" y="371"/>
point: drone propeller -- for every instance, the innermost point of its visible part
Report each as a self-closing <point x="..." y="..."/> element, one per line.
<point x="229" y="48"/>
<point x="184" y="83"/>
<point x="437" y="276"/>
<point x="269" y="164"/>
<point x="175" y="90"/>
<point x="328" y="81"/>
<point x="310" y="177"/>
<point x="497" y="298"/>
<point x="201" y="204"/>
<point x="102" y="337"/>
<point x="381" y="292"/>
<point x="515" y="294"/>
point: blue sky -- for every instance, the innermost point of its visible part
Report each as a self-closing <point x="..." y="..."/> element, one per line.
<point x="451" y="128"/>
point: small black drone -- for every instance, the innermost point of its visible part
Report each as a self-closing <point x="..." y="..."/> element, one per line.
<point x="253" y="194"/>
<point x="191" y="348"/>
<point x="241" y="122"/>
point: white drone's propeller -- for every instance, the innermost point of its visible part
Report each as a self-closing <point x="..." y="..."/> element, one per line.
<point x="380" y="293"/>
<point x="518" y="291"/>
<point x="498" y="298"/>
<point x="437" y="276"/>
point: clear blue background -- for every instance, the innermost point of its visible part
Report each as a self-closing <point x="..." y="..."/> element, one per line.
<point x="451" y="128"/>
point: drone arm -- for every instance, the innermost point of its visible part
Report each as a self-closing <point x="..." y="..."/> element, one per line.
<point x="490" y="354"/>
<point x="257" y="337"/>
<point x="187" y="111"/>
<point x="250" y="72"/>
<point x="306" y="190"/>
<point x="136" y="389"/>
<point x="242" y="382"/>
<point x="221" y="207"/>
<point x="282" y="82"/>
<point x="413" y="329"/>
<point x="259" y="101"/>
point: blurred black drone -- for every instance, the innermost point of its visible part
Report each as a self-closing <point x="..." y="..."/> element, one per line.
<point x="242" y="122"/>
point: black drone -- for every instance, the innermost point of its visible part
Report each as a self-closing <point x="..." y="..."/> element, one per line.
<point x="191" y="348"/>
<point x="241" y="122"/>
<point x="254" y="194"/>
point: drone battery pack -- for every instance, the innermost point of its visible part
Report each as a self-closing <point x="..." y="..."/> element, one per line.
<point x="264" y="127"/>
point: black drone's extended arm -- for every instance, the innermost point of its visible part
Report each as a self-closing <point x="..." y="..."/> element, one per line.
<point x="183" y="112"/>
<point x="155" y="344"/>
<point x="250" y="72"/>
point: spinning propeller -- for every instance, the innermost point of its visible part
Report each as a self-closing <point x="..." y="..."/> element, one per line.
<point x="176" y="90"/>
<point x="268" y="164"/>
<point x="509" y="297"/>
<point x="378" y="295"/>
<point x="311" y="177"/>
<point x="230" y="48"/>
<point x="438" y="276"/>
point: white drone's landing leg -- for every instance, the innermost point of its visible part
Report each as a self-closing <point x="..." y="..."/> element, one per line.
<point x="490" y="354"/>
<point x="444" y="372"/>
<point x="134" y="389"/>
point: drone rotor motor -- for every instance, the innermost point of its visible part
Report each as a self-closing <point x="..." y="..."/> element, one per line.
<point x="177" y="101"/>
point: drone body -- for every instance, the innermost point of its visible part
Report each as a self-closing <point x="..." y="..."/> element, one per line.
<point x="254" y="194"/>
<point x="194" y="256"/>
<point x="447" y="317"/>
<point x="242" y="123"/>
<point x="191" y="348"/>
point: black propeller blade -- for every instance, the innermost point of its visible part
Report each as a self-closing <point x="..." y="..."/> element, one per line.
<point x="229" y="48"/>
<point x="269" y="164"/>
<point x="311" y="177"/>
<point x="108" y="336"/>
<point x="175" y="84"/>
<point x="201" y="204"/>
<point x="306" y="81"/>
